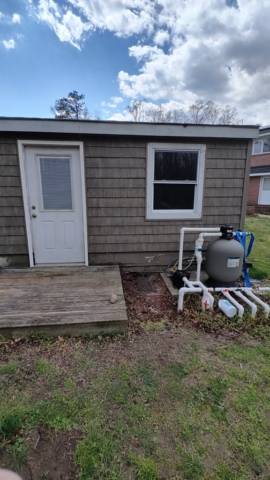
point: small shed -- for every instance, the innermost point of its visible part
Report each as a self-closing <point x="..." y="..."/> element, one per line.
<point x="103" y="192"/>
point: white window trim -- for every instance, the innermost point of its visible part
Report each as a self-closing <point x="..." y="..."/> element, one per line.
<point x="194" y="214"/>
<point x="261" y="144"/>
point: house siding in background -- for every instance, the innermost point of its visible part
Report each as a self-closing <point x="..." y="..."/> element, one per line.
<point x="115" y="170"/>
<point x="258" y="174"/>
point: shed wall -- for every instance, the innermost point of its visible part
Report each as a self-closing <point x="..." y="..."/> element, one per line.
<point x="116" y="180"/>
<point x="12" y="222"/>
<point x="115" y="183"/>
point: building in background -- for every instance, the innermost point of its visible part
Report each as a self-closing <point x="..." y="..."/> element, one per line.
<point x="259" y="184"/>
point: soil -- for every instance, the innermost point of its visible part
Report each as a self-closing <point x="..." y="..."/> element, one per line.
<point x="156" y="331"/>
<point x="50" y="455"/>
<point x="144" y="306"/>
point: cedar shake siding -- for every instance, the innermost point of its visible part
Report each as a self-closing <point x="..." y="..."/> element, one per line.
<point x="115" y="169"/>
<point x="116" y="190"/>
<point x="12" y="220"/>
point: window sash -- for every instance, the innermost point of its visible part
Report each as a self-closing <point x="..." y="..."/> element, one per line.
<point x="175" y="214"/>
<point x="261" y="146"/>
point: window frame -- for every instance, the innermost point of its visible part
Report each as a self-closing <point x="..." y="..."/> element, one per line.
<point x="261" y="142"/>
<point x="188" y="214"/>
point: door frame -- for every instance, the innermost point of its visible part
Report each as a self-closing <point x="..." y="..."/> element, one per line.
<point x="264" y="175"/>
<point x="22" y="162"/>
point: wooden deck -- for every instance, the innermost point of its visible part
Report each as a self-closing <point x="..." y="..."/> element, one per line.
<point x="53" y="301"/>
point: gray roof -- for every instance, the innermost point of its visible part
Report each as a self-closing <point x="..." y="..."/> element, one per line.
<point x="49" y="125"/>
<point x="257" y="171"/>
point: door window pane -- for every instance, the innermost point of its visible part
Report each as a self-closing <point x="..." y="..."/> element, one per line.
<point x="56" y="183"/>
<point x="266" y="184"/>
<point x="173" y="196"/>
<point x="176" y="165"/>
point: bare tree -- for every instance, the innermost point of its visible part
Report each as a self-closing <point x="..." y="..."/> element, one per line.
<point x="137" y="110"/>
<point x="199" y="113"/>
<point x="159" y="115"/>
<point x="229" y="116"/>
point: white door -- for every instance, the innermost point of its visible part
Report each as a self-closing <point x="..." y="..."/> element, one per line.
<point x="54" y="185"/>
<point x="264" y="197"/>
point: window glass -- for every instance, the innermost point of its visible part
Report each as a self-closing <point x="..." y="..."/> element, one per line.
<point x="257" y="147"/>
<point x="266" y="184"/>
<point x="56" y="183"/>
<point x="266" y="145"/>
<point x="175" y="165"/>
<point x="169" y="196"/>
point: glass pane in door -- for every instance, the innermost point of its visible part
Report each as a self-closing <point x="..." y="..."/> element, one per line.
<point x="266" y="184"/>
<point x="55" y="174"/>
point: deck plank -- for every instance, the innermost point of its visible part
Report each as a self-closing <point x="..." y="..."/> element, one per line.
<point x="53" y="301"/>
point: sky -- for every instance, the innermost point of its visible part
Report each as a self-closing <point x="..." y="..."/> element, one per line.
<point x="170" y="52"/>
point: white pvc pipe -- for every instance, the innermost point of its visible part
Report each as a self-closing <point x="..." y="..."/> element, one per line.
<point x="264" y="289"/>
<point x="210" y="234"/>
<point x="258" y="300"/>
<point x="192" y="230"/>
<point x="234" y="302"/>
<point x="182" y="292"/>
<point x="206" y="292"/>
<point x="252" y="305"/>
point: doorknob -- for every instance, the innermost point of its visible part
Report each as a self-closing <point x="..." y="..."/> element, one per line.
<point x="33" y="215"/>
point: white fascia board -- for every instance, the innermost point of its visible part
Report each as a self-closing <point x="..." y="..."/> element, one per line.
<point x="126" y="128"/>
<point x="262" y="174"/>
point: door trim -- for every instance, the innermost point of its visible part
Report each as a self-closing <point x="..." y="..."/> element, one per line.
<point x="22" y="159"/>
<point x="261" y="190"/>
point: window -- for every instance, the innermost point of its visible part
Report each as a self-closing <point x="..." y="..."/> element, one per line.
<point x="55" y="178"/>
<point x="175" y="174"/>
<point x="261" y="146"/>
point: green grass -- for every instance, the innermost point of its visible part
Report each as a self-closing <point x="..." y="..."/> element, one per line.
<point x="260" y="255"/>
<point x="204" y="413"/>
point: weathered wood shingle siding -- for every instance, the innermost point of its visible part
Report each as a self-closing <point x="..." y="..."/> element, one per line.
<point x="116" y="187"/>
<point x="116" y="183"/>
<point x="12" y="222"/>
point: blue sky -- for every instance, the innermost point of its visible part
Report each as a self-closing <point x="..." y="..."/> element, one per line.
<point x="113" y="51"/>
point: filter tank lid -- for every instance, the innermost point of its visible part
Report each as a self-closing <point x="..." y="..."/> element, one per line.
<point x="227" y="232"/>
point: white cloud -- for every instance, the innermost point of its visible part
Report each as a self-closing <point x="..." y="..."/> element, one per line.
<point x="216" y="53"/>
<point x="1" y="15"/>
<point x="121" y="117"/>
<point x="113" y="103"/>
<point x="161" y="37"/>
<point x="117" y="99"/>
<point x="16" y="18"/>
<point x="8" y="44"/>
<point x="213" y="50"/>
<point x="67" y="26"/>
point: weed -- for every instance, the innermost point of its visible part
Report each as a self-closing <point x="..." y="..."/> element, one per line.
<point x="11" y="368"/>
<point x="10" y="423"/>
<point x="42" y="367"/>
<point x="144" y="468"/>
<point x="18" y="453"/>
<point x="190" y="467"/>
<point x="95" y="456"/>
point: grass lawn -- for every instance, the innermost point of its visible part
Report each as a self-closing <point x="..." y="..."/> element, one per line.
<point x="163" y="404"/>
<point x="260" y="255"/>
